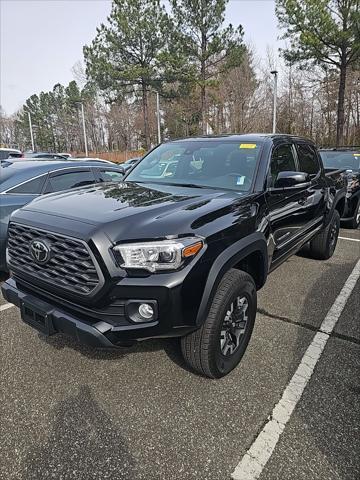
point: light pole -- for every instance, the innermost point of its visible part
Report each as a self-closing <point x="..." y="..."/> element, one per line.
<point x="158" y="116"/>
<point x="275" y="73"/>
<point x="83" y="125"/>
<point x="31" y="132"/>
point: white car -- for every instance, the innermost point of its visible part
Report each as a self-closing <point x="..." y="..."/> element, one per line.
<point x="10" y="153"/>
<point x="90" y="159"/>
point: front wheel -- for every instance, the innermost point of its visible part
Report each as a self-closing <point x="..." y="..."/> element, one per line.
<point x="323" y="245"/>
<point x="219" y="344"/>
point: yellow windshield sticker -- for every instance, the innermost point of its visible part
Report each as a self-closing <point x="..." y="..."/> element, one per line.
<point x="247" y="145"/>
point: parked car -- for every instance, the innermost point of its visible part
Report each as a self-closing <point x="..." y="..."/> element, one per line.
<point x="91" y="159"/>
<point x="180" y="256"/>
<point x="348" y="159"/>
<point x="21" y="182"/>
<point x="44" y="155"/>
<point x="10" y="153"/>
<point x="63" y="159"/>
<point x="130" y="163"/>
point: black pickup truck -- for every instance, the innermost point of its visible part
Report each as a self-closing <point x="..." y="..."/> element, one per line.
<point x="179" y="249"/>
<point x="346" y="159"/>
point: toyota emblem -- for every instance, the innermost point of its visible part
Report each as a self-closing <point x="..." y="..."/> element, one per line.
<point x="39" y="251"/>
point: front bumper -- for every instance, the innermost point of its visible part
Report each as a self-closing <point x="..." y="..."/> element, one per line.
<point x="95" y="328"/>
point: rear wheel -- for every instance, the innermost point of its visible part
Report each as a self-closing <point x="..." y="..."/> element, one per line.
<point x="218" y="346"/>
<point x="323" y="245"/>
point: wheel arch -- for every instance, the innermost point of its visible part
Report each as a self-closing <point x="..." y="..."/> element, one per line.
<point x="340" y="206"/>
<point x="337" y="204"/>
<point x="249" y="254"/>
<point x="354" y="202"/>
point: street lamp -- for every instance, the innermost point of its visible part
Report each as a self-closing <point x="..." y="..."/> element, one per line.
<point x="158" y="119"/>
<point x="275" y="73"/>
<point x="83" y="125"/>
<point x="31" y="132"/>
<point x="158" y="116"/>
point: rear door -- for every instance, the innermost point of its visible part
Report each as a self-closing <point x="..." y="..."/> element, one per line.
<point x="313" y="207"/>
<point x="285" y="205"/>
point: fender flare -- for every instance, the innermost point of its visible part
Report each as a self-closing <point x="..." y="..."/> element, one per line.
<point x="340" y="195"/>
<point x="356" y="199"/>
<point x="256" y="242"/>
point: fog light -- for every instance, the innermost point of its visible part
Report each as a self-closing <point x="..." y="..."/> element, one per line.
<point x="146" y="311"/>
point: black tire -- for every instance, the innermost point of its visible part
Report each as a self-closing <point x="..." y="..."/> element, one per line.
<point x="323" y="245"/>
<point x="204" y="349"/>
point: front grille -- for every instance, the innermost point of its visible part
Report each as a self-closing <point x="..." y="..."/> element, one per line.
<point x="70" y="266"/>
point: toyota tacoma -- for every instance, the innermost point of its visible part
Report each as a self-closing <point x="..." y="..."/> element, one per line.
<point x="178" y="249"/>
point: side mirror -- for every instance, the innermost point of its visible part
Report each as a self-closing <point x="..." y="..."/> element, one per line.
<point x="291" y="179"/>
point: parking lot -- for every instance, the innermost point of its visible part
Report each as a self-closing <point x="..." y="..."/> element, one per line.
<point x="71" y="412"/>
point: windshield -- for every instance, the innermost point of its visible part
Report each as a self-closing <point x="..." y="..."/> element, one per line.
<point x="220" y="164"/>
<point x="341" y="159"/>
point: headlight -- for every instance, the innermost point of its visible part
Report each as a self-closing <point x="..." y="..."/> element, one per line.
<point x="161" y="255"/>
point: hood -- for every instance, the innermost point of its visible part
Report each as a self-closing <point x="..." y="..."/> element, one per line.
<point x="135" y="211"/>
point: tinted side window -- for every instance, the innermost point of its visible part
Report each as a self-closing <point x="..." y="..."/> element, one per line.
<point x="308" y="161"/>
<point x="34" y="186"/>
<point x="70" y="180"/>
<point x="111" y="176"/>
<point x="282" y="160"/>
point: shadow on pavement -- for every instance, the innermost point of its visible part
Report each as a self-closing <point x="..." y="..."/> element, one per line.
<point x="171" y="346"/>
<point x="83" y="444"/>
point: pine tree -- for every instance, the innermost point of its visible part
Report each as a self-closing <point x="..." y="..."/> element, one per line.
<point x="127" y="55"/>
<point x="325" y="33"/>
<point x="210" y="47"/>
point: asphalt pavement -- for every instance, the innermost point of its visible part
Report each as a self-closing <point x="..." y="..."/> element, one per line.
<point x="71" y="412"/>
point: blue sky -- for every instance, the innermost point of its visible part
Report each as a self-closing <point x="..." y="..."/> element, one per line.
<point x="41" y="40"/>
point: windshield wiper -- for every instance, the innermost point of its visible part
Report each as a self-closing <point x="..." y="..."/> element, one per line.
<point x="190" y="185"/>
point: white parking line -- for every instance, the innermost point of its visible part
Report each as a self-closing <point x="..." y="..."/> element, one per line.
<point x="255" y="459"/>
<point x="351" y="239"/>
<point x="6" y="306"/>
